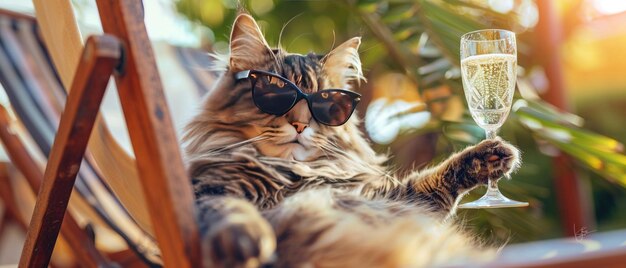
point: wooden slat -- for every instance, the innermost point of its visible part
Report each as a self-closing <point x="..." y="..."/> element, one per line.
<point x="605" y="249"/>
<point x="11" y="209"/>
<point x="127" y="259"/>
<point x="604" y="259"/>
<point x="100" y="57"/>
<point x="164" y="180"/>
<point x="63" y="41"/>
<point x="83" y="248"/>
<point x="17" y="152"/>
<point x="12" y="14"/>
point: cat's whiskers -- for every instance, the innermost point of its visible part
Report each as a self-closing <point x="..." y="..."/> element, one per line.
<point x="258" y="138"/>
<point x="317" y="143"/>
<point x="332" y="147"/>
<point x="274" y="134"/>
<point x="329" y="147"/>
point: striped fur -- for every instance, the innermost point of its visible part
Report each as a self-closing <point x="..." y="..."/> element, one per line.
<point x="322" y="198"/>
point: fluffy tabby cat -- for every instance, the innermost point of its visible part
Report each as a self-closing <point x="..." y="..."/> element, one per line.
<point x="320" y="198"/>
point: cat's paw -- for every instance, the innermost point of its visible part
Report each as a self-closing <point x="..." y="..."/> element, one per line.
<point x="491" y="159"/>
<point x="239" y="241"/>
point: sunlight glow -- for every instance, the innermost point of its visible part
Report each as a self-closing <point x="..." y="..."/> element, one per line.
<point x="502" y="6"/>
<point x="609" y="6"/>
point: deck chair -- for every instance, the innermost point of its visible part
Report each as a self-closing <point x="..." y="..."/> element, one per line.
<point x="125" y="159"/>
<point x="157" y="165"/>
<point x="38" y="98"/>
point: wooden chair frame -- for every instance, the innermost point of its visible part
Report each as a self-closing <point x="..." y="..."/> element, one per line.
<point x="79" y="240"/>
<point x="126" y="53"/>
<point x="87" y="255"/>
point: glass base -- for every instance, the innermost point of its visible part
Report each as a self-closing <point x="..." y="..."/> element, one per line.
<point x="494" y="199"/>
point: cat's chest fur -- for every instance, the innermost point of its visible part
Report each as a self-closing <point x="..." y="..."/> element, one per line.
<point x="266" y="181"/>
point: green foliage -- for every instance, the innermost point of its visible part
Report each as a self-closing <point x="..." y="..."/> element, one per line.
<point x="420" y="38"/>
<point x="306" y="25"/>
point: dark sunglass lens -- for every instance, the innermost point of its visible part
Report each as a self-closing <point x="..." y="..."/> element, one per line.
<point x="331" y="107"/>
<point x="273" y="95"/>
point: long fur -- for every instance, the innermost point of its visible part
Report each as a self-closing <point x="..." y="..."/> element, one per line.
<point x="323" y="197"/>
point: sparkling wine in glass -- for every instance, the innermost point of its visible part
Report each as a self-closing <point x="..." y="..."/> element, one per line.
<point x="488" y="66"/>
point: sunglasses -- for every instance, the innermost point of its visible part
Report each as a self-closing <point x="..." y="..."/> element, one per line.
<point x="276" y="95"/>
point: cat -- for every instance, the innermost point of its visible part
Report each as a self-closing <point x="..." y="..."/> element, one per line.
<point x="287" y="191"/>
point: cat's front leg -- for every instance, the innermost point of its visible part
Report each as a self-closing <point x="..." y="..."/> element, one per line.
<point x="234" y="234"/>
<point x="442" y="186"/>
<point x="476" y="165"/>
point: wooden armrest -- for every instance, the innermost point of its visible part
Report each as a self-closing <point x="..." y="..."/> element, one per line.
<point x="99" y="59"/>
<point x="164" y="180"/>
<point x="607" y="249"/>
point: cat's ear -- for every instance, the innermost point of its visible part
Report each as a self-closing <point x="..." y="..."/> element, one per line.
<point x="343" y="65"/>
<point x="248" y="48"/>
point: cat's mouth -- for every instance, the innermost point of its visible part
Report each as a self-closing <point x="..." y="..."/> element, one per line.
<point x="296" y="147"/>
<point x="291" y="142"/>
<point x="294" y="140"/>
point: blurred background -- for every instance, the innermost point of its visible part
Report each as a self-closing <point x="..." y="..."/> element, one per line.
<point x="568" y="116"/>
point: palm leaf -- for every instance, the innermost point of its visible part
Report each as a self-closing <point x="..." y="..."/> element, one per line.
<point x="445" y="22"/>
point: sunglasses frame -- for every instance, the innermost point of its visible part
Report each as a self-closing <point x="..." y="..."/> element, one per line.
<point x="250" y="74"/>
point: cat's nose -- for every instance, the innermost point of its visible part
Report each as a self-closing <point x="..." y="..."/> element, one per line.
<point x="299" y="126"/>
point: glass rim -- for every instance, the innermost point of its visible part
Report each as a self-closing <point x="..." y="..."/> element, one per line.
<point x="463" y="37"/>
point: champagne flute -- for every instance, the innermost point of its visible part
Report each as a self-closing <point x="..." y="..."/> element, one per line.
<point x="488" y="66"/>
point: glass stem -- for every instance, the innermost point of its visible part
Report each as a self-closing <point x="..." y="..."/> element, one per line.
<point x="492" y="186"/>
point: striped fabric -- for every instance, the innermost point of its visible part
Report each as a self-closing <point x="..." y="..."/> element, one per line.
<point x="37" y="97"/>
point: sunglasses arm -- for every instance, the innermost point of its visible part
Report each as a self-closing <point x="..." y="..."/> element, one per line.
<point x="242" y="75"/>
